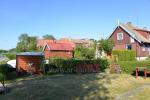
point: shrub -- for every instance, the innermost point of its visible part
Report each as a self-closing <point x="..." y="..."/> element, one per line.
<point x="10" y="56"/>
<point x="3" y="69"/>
<point x="70" y="64"/>
<point x="124" y="55"/>
<point x="2" y="79"/>
<point x="130" y="66"/>
<point x="84" y="53"/>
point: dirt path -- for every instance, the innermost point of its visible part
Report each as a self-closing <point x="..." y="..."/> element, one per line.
<point x="132" y="92"/>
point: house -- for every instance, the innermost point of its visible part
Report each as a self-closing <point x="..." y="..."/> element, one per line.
<point x="129" y="37"/>
<point x="80" y="42"/>
<point x="31" y="62"/>
<point x="60" y="50"/>
<point x="41" y="42"/>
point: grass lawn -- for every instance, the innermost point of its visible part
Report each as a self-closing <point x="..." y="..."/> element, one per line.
<point x="95" y="86"/>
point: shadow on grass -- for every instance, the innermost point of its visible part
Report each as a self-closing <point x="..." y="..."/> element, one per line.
<point x="62" y="87"/>
<point x="140" y="73"/>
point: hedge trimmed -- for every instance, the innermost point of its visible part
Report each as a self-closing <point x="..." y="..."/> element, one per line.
<point x="124" y="55"/>
<point x="69" y="65"/>
<point x="130" y="66"/>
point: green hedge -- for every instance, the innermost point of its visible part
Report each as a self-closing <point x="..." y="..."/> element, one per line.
<point x="130" y="66"/>
<point x="70" y="64"/>
<point x="124" y="55"/>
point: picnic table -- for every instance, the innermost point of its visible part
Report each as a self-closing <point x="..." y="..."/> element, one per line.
<point x="144" y="69"/>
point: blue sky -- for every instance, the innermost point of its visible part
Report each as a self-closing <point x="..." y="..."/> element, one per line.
<point x="68" y="18"/>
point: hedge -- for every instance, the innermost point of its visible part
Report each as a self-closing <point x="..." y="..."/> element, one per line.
<point x="130" y="66"/>
<point x="124" y="55"/>
<point x="70" y="64"/>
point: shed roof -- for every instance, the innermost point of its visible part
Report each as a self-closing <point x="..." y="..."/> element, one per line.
<point x="30" y="54"/>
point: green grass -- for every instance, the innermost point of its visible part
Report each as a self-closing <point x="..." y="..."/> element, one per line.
<point x="73" y="87"/>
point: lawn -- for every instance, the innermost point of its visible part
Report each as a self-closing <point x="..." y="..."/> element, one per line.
<point x="95" y="86"/>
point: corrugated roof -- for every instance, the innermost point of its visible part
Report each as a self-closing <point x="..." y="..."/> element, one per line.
<point x="30" y="54"/>
<point x="60" y="46"/>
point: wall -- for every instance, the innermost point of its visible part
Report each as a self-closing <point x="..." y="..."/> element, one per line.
<point x="60" y="54"/>
<point x="22" y="63"/>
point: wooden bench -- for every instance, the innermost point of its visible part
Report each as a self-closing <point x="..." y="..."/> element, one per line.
<point x="144" y="69"/>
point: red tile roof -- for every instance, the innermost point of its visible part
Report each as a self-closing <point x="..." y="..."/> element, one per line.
<point x="43" y="42"/>
<point x="59" y="46"/>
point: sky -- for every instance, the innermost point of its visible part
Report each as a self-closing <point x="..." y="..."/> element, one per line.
<point x="68" y="18"/>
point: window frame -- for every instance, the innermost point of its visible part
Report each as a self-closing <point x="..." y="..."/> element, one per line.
<point x="118" y="36"/>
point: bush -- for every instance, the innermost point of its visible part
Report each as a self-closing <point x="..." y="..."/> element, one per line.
<point x="84" y="53"/>
<point x="10" y="56"/>
<point x="124" y="55"/>
<point x="130" y="66"/>
<point x="3" y="69"/>
<point x="69" y="65"/>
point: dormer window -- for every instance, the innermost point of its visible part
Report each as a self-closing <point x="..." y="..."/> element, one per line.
<point x="119" y="36"/>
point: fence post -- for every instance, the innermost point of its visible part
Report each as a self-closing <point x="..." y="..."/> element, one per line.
<point x="136" y="72"/>
<point x="145" y="73"/>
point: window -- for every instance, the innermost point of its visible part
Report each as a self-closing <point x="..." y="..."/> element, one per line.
<point x="132" y="40"/>
<point x="119" y="36"/>
<point x="128" y="46"/>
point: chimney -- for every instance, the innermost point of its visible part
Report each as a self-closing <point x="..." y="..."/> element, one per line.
<point x="144" y="28"/>
<point x="129" y="23"/>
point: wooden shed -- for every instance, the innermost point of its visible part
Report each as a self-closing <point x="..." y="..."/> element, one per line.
<point x="60" y="50"/>
<point x="31" y="62"/>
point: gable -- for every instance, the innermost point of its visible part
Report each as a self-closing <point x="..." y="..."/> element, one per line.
<point x="126" y="38"/>
<point x="125" y="31"/>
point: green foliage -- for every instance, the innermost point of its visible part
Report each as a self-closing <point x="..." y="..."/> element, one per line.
<point x="84" y="53"/>
<point x="3" y="73"/>
<point x="50" y="37"/>
<point x="2" y="78"/>
<point x="3" y="69"/>
<point x="26" y="43"/>
<point x="3" y="51"/>
<point x="70" y="64"/>
<point x="130" y="66"/>
<point x="10" y="56"/>
<point x="124" y="55"/>
<point x="106" y="45"/>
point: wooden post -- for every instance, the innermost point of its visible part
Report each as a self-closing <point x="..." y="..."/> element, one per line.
<point x="136" y="71"/>
<point x="145" y="73"/>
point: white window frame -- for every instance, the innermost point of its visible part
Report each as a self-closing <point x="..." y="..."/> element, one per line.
<point x="118" y="36"/>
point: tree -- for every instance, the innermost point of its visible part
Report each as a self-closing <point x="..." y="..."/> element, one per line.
<point x="106" y="45"/>
<point x="50" y="37"/>
<point x="32" y="43"/>
<point x="26" y="43"/>
<point x="84" y="53"/>
<point x="3" y="51"/>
